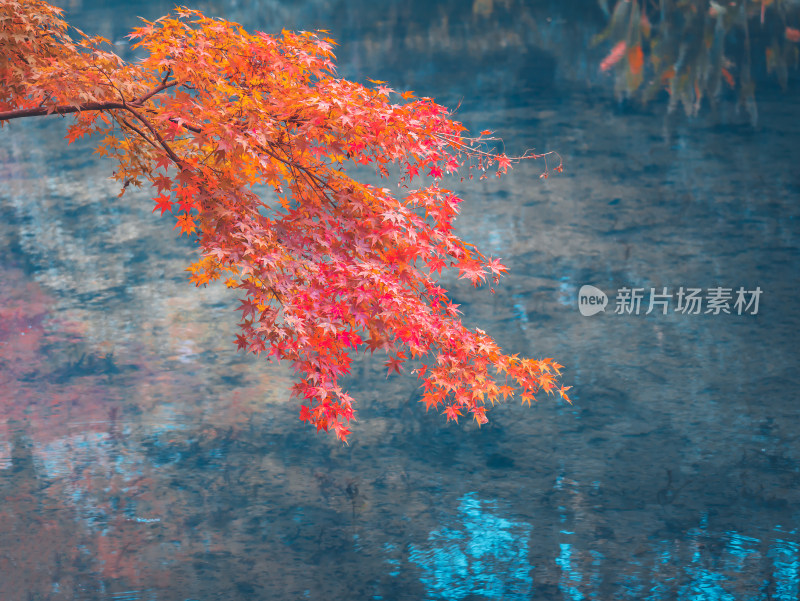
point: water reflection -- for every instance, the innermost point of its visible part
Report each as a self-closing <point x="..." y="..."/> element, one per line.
<point x="480" y="553"/>
<point x="483" y="554"/>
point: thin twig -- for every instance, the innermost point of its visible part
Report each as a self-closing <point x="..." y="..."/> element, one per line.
<point x="138" y="131"/>
<point x="175" y="158"/>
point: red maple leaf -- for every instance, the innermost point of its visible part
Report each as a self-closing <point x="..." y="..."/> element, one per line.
<point x="163" y="202"/>
<point x="452" y="413"/>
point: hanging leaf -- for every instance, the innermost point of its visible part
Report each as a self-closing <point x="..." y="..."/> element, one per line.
<point x="645" y="25"/>
<point x="636" y="59"/>
<point x="728" y="78"/>
<point x="613" y="57"/>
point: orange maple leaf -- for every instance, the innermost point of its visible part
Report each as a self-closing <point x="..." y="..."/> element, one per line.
<point x="185" y="223"/>
<point x="636" y="59"/>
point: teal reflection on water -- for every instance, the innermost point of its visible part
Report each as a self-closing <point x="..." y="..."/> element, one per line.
<point x="478" y="552"/>
<point x="570" y="577"/>
<point x="484" y="555"/>
<point x="787" y="570"/>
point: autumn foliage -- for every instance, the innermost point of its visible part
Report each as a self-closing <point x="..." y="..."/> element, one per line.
<point x="247" y="140"/>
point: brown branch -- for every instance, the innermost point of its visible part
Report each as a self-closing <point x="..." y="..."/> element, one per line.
<point x="161" y="87"/>
<point x="89" y="106"/>
<point x="60" y="110"/>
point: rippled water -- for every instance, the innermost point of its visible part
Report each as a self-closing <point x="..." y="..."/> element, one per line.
<point x="142" y="459"/>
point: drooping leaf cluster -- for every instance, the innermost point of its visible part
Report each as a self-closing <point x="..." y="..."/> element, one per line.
<point x="697" y="48"/>
<point x="328" y="266"/>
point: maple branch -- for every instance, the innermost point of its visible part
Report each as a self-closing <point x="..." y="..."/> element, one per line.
<point x="160" y="88"/>
<point x="60" y="110"/>
<point x="342" y="268"/>
<point x="89" y="106"/>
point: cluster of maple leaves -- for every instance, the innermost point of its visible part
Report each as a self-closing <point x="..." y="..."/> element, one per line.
<point x="328" y="266"/>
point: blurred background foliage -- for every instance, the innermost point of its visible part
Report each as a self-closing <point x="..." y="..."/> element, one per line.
<point x="699" y="49"/>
